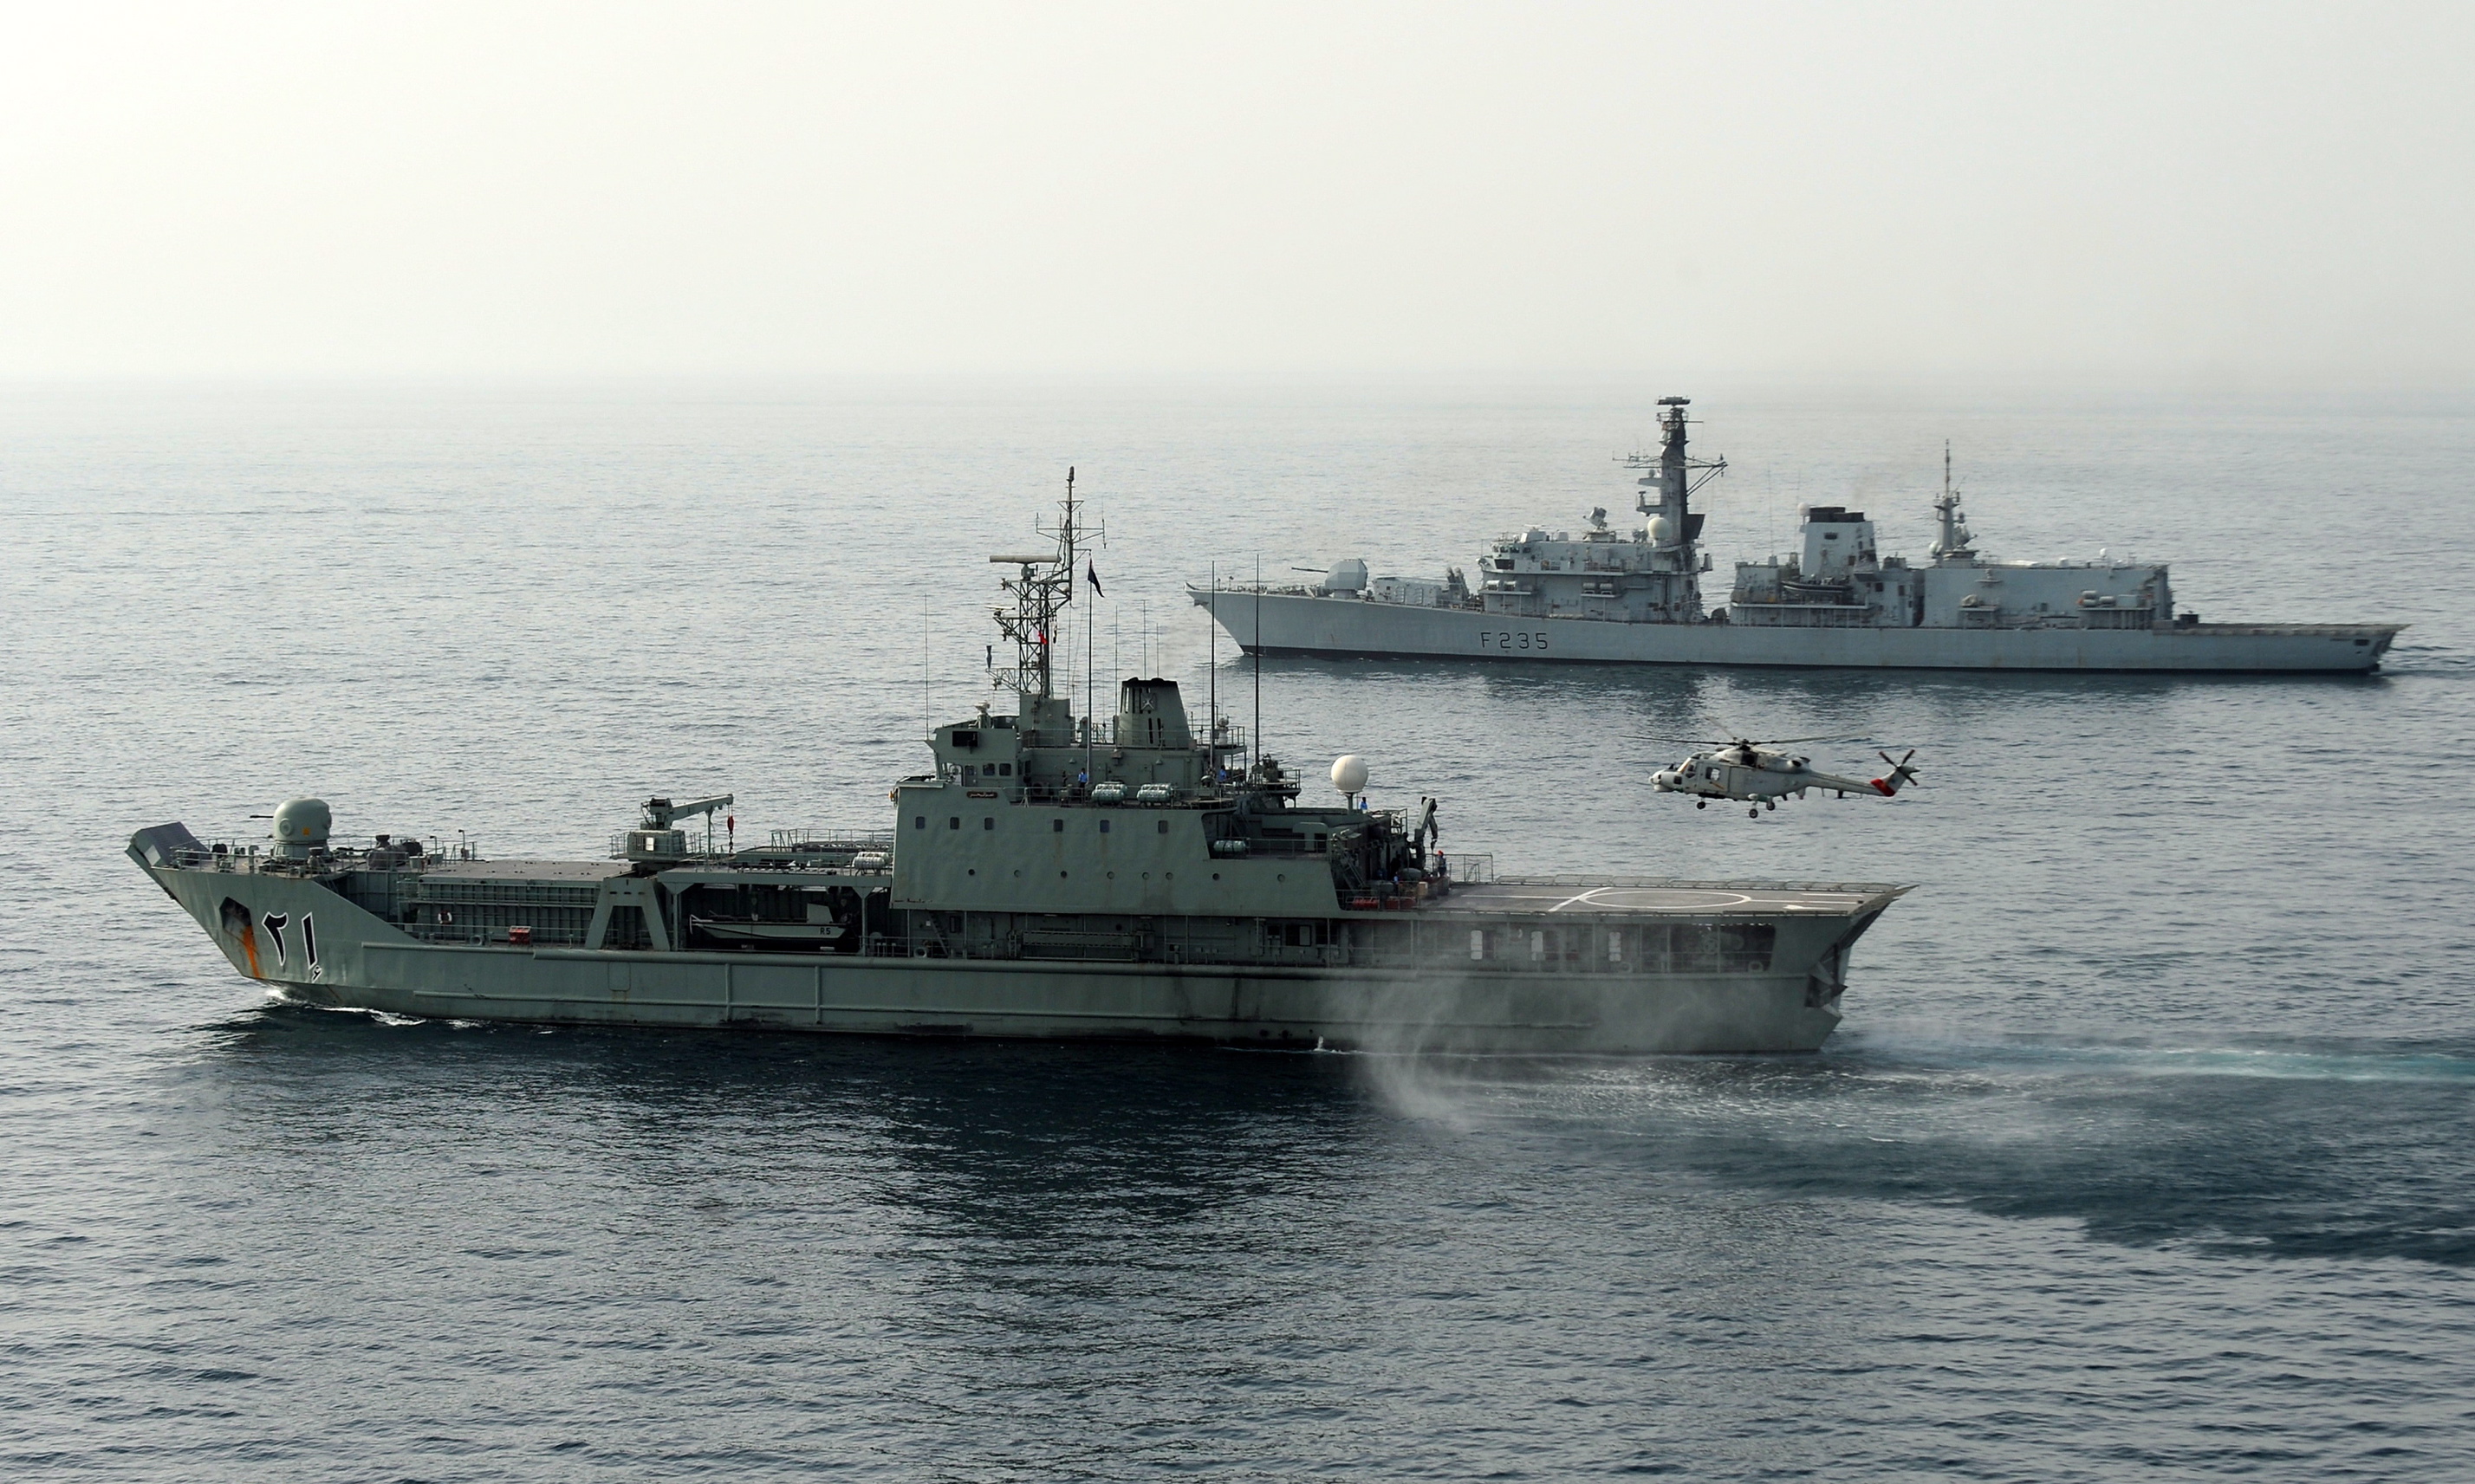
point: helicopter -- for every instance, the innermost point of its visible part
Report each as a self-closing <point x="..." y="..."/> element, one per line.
<point x="1751" y="772"/>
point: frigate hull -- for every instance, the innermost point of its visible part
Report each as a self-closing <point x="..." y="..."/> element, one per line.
<point x="295" y="934"/>
<point x="1339" y="627"/>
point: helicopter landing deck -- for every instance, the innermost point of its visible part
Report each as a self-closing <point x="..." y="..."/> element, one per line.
<point x="1582" y="895"/>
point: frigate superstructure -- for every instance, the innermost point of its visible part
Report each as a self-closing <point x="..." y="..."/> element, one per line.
<point x="1637" y="598"/>
<point x="1049" y="876"/>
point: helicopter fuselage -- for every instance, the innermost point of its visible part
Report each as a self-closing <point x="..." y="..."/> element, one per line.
<point x="1764" y="777"/>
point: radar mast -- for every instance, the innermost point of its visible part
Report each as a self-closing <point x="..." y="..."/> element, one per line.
<point x="1670" y="478"/>
<point x="1040" y="592"/>
<point x="1951" y="543"/>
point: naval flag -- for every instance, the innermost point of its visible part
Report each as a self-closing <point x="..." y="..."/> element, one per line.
<point x="1092" y="574"/>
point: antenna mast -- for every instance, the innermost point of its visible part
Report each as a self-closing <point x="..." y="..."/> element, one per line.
<point x="1952" y="540"/>
<point x="1091" y="630"/>
<point x="1215" y="672"/>
<point x="1254" y="744"/>
<point x="1669" y="480"/>
<point x="1040" y="592"/>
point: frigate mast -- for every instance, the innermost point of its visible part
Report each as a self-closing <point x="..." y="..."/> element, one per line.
<point x="1669" y="481"/>
<point x="1951" y="543"/>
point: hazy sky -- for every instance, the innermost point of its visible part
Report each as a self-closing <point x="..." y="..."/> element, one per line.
<point x="2167" y="193"/>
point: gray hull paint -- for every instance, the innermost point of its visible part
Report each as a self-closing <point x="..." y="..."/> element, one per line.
<point x="1348" y="627"/>
<point x="366" y="963"/>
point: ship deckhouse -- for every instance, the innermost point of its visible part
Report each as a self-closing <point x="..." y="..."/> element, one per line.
<point x="1838" y="580"/>
<point x="1043" y="815"/>
<point x="1652" y="575"/>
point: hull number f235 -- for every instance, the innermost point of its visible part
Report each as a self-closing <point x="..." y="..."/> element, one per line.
<point x="1499" y="641"/>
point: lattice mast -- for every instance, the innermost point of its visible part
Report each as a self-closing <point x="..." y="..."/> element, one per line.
<point x="1040" y="592"/>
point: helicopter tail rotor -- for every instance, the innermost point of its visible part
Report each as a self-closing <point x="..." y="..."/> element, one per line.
<point x="1899" y="776"/>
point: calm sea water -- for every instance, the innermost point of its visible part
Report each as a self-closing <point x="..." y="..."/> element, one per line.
<point x="2147" y="1146"/>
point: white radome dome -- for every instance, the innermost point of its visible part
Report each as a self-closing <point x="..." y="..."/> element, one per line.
<point x="1662" y="530"/>
<point x="1349" y="773"/>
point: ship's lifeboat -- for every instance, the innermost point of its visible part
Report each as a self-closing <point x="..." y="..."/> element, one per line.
<point x="771" y="937"/>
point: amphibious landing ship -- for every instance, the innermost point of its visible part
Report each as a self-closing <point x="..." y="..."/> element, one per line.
<point x="1053" y="876"/>
<point x="1615" y="598"/>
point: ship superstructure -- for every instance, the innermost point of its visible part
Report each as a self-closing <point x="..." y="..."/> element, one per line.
<point x="1635" y="597"/>
<point x="1048" y="875"/>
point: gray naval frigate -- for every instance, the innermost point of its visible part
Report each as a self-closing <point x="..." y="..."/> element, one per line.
<point x="1051" y="877"/>
<point x="1635" y="598"/>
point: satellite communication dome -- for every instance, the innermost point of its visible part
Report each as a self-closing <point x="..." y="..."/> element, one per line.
<point x="1349" y="773"/>
<point x="1662" y="530"/>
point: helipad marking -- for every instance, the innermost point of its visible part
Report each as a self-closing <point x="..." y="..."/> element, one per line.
<point x="1683" y="901"/>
